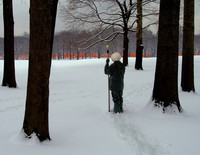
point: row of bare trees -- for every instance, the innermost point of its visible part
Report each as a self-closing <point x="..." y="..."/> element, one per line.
<point x="116" y="16"/>
<point x="68" y="41"/>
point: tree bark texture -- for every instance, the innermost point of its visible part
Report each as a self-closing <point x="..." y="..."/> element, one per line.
<point x="9" y="61"/>
<point x="125" y="48"/>
<point x="165" y="92"/>
<point x="139" y="46"/>
<point x="42" y="25"/>
<point x="187" y="78"/>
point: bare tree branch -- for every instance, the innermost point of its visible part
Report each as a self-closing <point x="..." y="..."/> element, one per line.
<point x="105" y="14"/>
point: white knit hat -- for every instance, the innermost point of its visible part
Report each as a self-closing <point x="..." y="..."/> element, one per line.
<point x="116" y="56"/>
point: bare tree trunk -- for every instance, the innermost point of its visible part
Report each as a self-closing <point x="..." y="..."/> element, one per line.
<point x="125" y="48"/>
<point x="9" y="65"/>
<point x="165" y="92"/>
<point x="42" y="25"/>
<point x="139" y="46"/>
<point x="187" y="79"/>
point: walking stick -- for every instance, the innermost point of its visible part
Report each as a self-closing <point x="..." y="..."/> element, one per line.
<point x="107" y="46"/>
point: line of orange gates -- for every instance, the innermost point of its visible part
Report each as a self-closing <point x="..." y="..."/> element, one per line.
<point x="92" y="55"/>
<point x="83" y="55"/>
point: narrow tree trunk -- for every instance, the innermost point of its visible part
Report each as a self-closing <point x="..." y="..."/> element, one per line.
<point x="9" y="65"/>
<point x="187" y="79"/>
<point x="139" y="46"/>
<point x="165" y="92"/>
<point x="125" y="48"/>
<point x="42" y="24"/>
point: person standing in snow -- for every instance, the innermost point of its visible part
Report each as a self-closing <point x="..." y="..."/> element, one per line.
<point x="116" y="72"/>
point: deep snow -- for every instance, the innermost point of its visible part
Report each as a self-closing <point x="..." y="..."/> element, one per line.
<point x="79" y="121"/>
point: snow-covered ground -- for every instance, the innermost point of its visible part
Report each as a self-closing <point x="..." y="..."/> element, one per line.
<point x="79" y="121"/>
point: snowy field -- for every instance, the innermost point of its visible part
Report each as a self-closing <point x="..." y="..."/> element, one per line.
<point x="79" y="121"/>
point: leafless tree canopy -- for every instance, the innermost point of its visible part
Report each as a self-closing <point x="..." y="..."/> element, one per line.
<point x="117" y="15"/>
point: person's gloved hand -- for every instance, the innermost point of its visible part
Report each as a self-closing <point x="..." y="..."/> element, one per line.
<point x="107" y="61"/>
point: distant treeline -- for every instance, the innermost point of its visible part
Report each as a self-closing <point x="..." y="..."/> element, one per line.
<point x="68" y="44"/>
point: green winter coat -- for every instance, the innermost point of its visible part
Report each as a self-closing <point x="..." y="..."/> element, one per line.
<point x="116" y="72"/>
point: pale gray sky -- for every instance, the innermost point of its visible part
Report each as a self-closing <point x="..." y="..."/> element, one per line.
<point x="21" y="18"/>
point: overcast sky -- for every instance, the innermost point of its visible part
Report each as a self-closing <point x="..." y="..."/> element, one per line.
<point x="21" y="18"/>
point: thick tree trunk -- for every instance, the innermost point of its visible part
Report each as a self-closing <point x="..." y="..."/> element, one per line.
<point x="139" y="46"/>
<point x="42" y="24"/>
<point x="187" y="79"/>
<point x="125" y="48"/>
<point x="9" y="61"/>
<point x="165" y="92"/>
